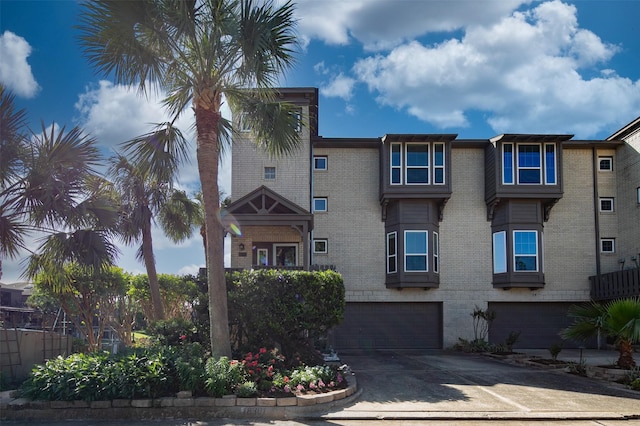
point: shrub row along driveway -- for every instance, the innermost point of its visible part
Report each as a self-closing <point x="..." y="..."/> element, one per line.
<point x="452" y="385"/>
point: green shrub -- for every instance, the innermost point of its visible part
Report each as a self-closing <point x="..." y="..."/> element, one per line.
<point x="285" y="309"/>
<point x="223" y="376"/>
<point x="101" y="376"/>
<point x="635" y="385"/>
<point x="247" y="389"/>
<point x="308" y="378"/>
<point x="172" y="332"/>
<point x="555" y="350"/>
<point x="190" y="360"/>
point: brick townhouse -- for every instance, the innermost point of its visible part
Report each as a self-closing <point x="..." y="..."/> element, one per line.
<point x="425" y="228"/>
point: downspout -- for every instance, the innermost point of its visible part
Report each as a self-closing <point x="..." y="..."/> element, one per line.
<point x="596" y="215"/>
<point x="311" y="179"/>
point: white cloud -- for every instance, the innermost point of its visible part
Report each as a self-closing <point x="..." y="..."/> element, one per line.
<point x="383" y="24"/>
<point x="523" y="72"/>
<point x="15" y="71"/>
<point x="340" y="86"/>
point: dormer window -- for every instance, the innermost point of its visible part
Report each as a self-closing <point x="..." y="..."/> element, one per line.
<point x="529" y="166"/>
<point x="417" y="163"/>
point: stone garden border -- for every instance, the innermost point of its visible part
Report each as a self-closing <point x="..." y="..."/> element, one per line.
<point x="183" y="406"/>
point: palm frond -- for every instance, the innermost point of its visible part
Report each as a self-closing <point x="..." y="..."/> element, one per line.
<point x="179" y="215"/>
<point x="12" y="137"/>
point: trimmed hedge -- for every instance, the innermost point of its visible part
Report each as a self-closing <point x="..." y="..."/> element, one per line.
<point x="285" y="309"/>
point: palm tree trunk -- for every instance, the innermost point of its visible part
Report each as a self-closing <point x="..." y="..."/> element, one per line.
<point x="626" y="360"/>
<point x="207" y="111"/>
<point x="152" y="275"/>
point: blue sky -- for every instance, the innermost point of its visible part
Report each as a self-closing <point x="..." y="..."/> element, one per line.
<point x="477" y="68"/>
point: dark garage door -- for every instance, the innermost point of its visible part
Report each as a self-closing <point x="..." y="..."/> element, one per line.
<point x="389" y="326"/>
<point x="538" y="323"/>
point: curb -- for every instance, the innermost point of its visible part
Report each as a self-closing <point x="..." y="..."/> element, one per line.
<point x="179" y="407"/>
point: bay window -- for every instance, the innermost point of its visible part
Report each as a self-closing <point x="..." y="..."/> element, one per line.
<point x="414" y="163"/>
<point x="525" y="250"/>
<point x="415" y="251"/>
<point x="529" y="164"/>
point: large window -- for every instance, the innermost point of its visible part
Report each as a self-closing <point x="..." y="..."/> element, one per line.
<point x="417" y="163"/>
<point x="392" y="252"/>
<point x="525" y="250"/>
<point x="415" y="251"/>
<point x="529" y="164"/>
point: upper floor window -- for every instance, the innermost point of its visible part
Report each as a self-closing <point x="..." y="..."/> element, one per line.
<point x="319" y="204"/>
<point x="243" y="122"/>
<point x="417" y="163"/>
<point x="297" y="115"/>
<point x="415" y="251"/>
<point x="606" y="204"/>
<point x="529" y="164"/>
<point x="525" y="250"/>
<point x="320" y="163"/>
<point x="269" y="173"/>
<point x="499" y="252"/>
<point x="436" y="252"/>
<point x="605" y="164"/>
<point x="607" y="245"/>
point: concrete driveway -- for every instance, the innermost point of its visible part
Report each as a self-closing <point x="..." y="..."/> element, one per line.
<point x="439" y="385"/>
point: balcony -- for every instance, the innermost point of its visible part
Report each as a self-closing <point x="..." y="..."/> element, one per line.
<point x="615" y="285"/>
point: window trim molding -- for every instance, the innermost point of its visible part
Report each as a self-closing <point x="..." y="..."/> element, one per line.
<point x="275" y="251"/>
<point x="537" y="254"/>
<point x="393" y="234"/>
<point x="613" y="245"/>
<point x="326" y="204"/>
<point x="425" y="254"/>
<point x="608" y="158"/>
<point x="326" y="245"/>
<point x="613" y="206"/>
<point x="326" y="163"/>
<point x="436" y="253"/>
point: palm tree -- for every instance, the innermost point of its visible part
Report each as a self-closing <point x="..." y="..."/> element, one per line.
<point x="142" y="197"/>
<point x="618" y="318"/>
<point x="201" y="53"/>
<point x="49" y="186"/>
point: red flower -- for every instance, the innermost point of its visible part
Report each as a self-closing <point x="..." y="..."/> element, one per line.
<point x="263" y="350"/>
<point x="183" y="337"/>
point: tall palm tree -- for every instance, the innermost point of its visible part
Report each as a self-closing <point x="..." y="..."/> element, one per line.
<point x="142" y="197"/>
<point x="200" y="53"/>
<point x="619" y="319"/>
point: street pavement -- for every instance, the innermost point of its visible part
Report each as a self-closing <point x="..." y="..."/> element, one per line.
<point x="440" y="385"/>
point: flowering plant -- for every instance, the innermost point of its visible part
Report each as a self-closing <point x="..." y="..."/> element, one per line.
<point x="317" y="378"/>
<point x="262" y="366"/>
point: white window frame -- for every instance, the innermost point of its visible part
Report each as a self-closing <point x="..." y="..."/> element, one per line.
<point x="608" y="159"/>
<point x="500" y="252"/>
<point x="297" y="114"/>
<point x="555" y="164"/>
<point x="268" y="176"/>
<point x="262" y="252"/>
<point x="516" y="255"/>
<point x="322" y="241"/>
<point x="613" y="245"/>
<point x="439" y="167"/>
<point x="511" y="163"/>
<point x="315" y="162"/>
<point x="610" y="199"/>
<point x="393" y="256"/>
<point x="326" y="204"/>
<point x="436" y="253"/>
<point x="425" y="254"/>
<point x="538" y="168"/>
<point x="407" y="167"/>
<point x="393" y="167"/>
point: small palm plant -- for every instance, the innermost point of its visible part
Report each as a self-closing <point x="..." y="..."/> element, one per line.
<point x="619" y="319"/>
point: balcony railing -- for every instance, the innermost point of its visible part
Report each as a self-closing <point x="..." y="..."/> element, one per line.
<point x="614" y="285"/>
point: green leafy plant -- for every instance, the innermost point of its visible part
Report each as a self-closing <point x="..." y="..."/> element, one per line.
<point x="247" y="389"/>
<point x="308" y="378"/>
<point x="555" y="350"/>
<point x="223" y="376"/>
<point x="190" y="367"/>
<point x="262" y="365"/>
<point x="579" y="368"/>
<point x="511" y="340"/>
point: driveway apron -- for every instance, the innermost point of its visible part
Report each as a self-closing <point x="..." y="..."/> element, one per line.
<point x="453" y="385"/>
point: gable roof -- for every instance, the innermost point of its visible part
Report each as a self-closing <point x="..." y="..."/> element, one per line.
<point x="264" y="206"/>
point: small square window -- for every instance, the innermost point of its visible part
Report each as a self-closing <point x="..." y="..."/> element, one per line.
<point x="270" y="173"/>
<point x="606" y="204"/>
<point x="319" y="163"/>
<point x="607" y="245"/>
<point x="605" y="164"/>
<point x="320" y="246"/>
<point x="320" y="204"/>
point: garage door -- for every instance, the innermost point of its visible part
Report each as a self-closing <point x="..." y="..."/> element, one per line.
<point x="538" y="323"/>
<point x="389" y="326"/>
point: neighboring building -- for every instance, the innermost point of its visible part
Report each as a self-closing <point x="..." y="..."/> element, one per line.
<point x="425" y="228"/>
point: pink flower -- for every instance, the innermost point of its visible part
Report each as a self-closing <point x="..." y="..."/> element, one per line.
<point x="312" y="385"/>
<point x="286" y="379"/>
<point x="300" y="387"/>
<point x="321" y="383"/>
<point x="263" y="350"/>
<point x="287" y="388"/>
<point x="339" y="378"/>
<point x="183" y="337"/>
